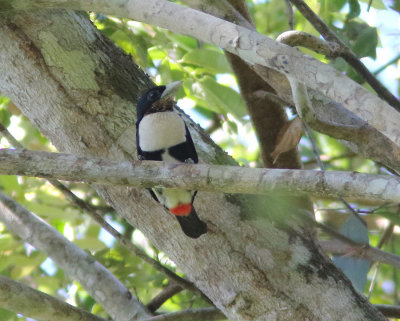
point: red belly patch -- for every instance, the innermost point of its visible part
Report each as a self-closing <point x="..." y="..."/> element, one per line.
<point x="181" y="209"/>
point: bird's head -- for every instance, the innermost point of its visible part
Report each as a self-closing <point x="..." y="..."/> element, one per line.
<point x="157" y="99"/>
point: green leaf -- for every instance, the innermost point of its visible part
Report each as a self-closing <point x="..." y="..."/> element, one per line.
<point x="6" y="315"/>
<point x="4" y="101"/>
<point x="335" y="5"/>
<point x="90" y="243"/>
<point x="355" y="9"/>
<point x="211" y="60"/>
<point x="396" y="5"/>
<point x="23" y="265"/>
<point x="393" y="217"/>
<point x="6" y="240"/>
<point x="366" y="43"/>
<point x="184" y="42"/>
<point x="227" y="99"/>
<point x="195" y="92"/>
<point x="157" y="53"/>
<point x="11" y="185"/>
<point x="170" y="71"/>
<point x="377" y="4"/>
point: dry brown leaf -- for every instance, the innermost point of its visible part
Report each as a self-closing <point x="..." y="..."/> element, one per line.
<point x="14" y="110"/>
<point x="288" y="138"/>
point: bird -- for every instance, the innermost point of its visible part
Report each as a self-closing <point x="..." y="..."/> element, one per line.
<point x="162" y="135"/>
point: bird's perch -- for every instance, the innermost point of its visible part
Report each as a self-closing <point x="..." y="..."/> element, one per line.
<point x="202" y="177"/>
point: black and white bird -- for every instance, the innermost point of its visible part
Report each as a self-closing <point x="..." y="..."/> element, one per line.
<point x="162" y="135"/>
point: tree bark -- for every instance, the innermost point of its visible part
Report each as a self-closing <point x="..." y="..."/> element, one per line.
<point x="79" y="90"/>
<point x="79" y="265"/>
<point x="252" y="47"/>
<point x="41" y="306"/>
<point x="202" y="177"/>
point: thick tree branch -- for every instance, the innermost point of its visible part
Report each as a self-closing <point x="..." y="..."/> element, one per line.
<point x="97" y="217"/>
<point x="17" y="297"/>
<point x="251" y="47"/>
<point x="267" y="114"/>
<point x="95" y="278"/>
<point x="227" y="179"/>
<point x="221" y="9"/>
<point x="92" y="113"/>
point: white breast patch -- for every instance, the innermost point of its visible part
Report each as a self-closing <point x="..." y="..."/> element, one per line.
<point x="161" y="130"/>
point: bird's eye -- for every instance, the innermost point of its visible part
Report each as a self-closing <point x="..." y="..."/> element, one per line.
<point x="153" y="96"/>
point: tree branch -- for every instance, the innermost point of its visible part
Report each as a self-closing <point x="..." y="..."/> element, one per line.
<point x="344" y="247"/>
<point x="95" y="278"/>
<point x="390" y="311"/>
<point x="221" y="9"/>
<point x="125" y="241"/>
<point x="346" y="53"/>
<point x="252" y="258"/>
<point x="215" y="178"/>
<point x="168" y="292"/>
<point x="132" y="248"/>
<point x="267" y="122"/>
<point x="209" y="314"/>
<point x="251" y="47"/>
<point x="296" y="38"/>
<point x="18" y="297"/>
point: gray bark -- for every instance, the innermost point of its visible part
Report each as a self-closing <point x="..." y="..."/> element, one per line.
<point x="251" y="47"/>
<point x="80" y="266"/>
<point x="79" y="90"/>
<point x="20" y="298"/>
<point x="202" y="177"/>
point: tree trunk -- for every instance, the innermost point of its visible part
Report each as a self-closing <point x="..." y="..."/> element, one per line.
<point x="255" y="263"/>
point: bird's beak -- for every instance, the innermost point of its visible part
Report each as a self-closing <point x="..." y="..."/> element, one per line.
<point x="171" y="89"/>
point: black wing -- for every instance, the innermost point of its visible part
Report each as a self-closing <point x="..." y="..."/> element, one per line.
<point x="184" y="151"/>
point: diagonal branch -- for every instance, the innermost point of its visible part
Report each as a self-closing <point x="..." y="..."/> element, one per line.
<point x="250" y="46"/>
<point x="267" y="122"/>
<point x="346" y="53"/>
<point x="168" y="292"/>
<point x="20" y="298"/>
<point x="344" y="246"/>
<point x="97" y="217"/>
<point x="80" y="266"/>
<point x="202" y="177"/>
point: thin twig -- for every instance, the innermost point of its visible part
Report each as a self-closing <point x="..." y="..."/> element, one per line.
<point x="168" y="292"/>
<point x="290" y="14"/>
<point x="390" y="62"/>
<point x="309" y="163"/>
<point x="347" y="53"/>
<point x="385" y="237"/>
<point x="322" y="167"/>
<point x="305" y="110"/>
<point x="369" y="5"/>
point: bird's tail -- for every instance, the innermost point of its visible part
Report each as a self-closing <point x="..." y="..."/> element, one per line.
<point x="191" y="224"/>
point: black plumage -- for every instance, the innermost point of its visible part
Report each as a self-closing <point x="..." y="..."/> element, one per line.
<point x="162" y="135"/>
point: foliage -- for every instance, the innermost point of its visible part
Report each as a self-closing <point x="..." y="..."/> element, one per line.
<point x="211" y="96"/>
